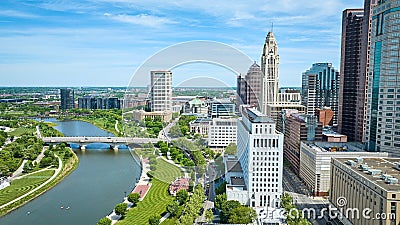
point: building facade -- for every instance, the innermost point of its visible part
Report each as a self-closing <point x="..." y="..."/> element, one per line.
<point x="315" y="162"/>
<point x="383" y="105"/>
<point x="298" y="128"/>
<point x="220" y="108"/>
<point x="350" y="71"/>
<point x="320" y="87"/>
<point x="67" y="98"/>
<point x="161" y="91"/>
<point x="368" y="184"/>
<point x="270" y="70"/>
<point x="222" y="132"/>
<point x="260" y="151"/>
<point x="99" y="103"/>
<point x="254" y="79"/>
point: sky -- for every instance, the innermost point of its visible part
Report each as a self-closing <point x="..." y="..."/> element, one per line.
<point x="103" y="42"/>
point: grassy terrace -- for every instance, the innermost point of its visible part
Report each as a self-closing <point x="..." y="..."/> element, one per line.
<point x="22" y="186"/>
<point x="158" y="197"/>
<point x="68" y="167"/>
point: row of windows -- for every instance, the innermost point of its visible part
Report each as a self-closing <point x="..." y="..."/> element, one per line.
<point x="265" y="153"/>
<point x="269" y="143"/>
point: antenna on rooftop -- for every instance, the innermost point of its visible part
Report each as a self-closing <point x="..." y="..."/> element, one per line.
<point x="272" y="27"/>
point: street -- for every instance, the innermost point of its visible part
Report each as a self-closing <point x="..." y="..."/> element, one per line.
<point x="303" y="200"/>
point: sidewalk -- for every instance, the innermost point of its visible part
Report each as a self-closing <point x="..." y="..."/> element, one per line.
<point x="142" y="187"/>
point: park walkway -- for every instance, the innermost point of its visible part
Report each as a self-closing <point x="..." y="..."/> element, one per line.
<point x="57" y="171"/>
<point x="142" y="187"/>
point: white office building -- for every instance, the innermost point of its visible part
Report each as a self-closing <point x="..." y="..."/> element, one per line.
<point x="161" y="91"/>
<point x="260" y="153"/>
<point x="222" y="132"/>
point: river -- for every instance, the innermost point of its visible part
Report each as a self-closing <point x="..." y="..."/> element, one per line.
<point x="91" y="191"/>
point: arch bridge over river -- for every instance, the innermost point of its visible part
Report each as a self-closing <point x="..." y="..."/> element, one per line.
<point x="114" y="142"/>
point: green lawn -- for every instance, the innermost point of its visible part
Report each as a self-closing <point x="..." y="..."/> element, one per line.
<point x="157" y="198"/>
<point x="24" y="185"/>
<point x="21" y="130"/>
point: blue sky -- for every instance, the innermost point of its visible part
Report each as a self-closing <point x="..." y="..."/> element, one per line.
<point x="103" y="42"/>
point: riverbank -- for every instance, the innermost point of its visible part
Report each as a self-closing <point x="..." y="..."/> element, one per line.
<point x="66" y="168"/>
<point x="99" y="124"/>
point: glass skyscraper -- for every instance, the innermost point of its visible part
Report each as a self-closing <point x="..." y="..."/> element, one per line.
<point x="383" y="108"/>
<point x="320" y="88"/>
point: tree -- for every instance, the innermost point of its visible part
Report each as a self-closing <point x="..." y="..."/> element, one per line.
<point x="220" y="200"/>
<point x="231" y="149"/>
<point x="120" y="209"/>
<point x="104" y="221"/>
<point x="209" y="215"/>
<point x="154" y="220"/>
<point x="242" y="215"/>
<point x="173" y="208"/>
<point x="182" y="196"/>
<point x="134" y="198"/>
<point x="227" y="209"/>
<point x="221" y="188"/>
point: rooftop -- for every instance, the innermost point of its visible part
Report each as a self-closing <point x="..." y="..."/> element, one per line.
<point x="256" y="116"/>
<point x="378" y="168"/>
<point x="237" y="181"/>
<point x="233" y="166"/>
<point x="336" y="146"/>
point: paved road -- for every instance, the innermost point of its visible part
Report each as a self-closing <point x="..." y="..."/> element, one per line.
<point x="301" y="197"/>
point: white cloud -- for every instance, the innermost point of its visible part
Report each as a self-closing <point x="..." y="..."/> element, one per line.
<point x="141" y="19"/>
<point x="14" y="13"/>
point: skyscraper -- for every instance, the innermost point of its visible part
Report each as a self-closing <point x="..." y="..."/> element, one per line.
<point x="270" y="70"/>
<point x="260" y="149"/>
<point x="350" y="70"/>
<point x="320" y="87"/>
<point x="383" y="105"/>
<point x="67" y="98"/>
<point x="273" y="101"/>
<point x="356" y="38"/>
<point x="161" y="91"/>
<point x="254" y="79"/>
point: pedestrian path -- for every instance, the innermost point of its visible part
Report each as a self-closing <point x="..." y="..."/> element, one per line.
<point x="57" y="171"/>
<point x="142" y="187"/>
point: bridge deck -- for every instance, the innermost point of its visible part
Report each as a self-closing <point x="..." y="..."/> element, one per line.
<point x="100" y="140"/>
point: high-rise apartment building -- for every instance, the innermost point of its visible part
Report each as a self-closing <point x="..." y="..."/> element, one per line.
<point x="260" y="153"/>
<point x="383" y="104"/>
<point x="320" y="87"/>
<point x="67" y="98"/>
<point x="356" y="39"/>
<point x="99" y="103"/>
<point x="350" y="70"/>
<point x="161" y="91"/>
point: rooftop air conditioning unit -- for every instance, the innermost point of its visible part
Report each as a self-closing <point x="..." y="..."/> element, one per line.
<point x="392" y="180"/>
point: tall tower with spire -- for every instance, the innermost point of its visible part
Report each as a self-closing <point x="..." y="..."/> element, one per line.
<point x="270" y="69"/>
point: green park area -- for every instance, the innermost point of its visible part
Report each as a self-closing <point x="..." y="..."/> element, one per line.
<point x="157" y="198"/>
<point x="23" y="185"/>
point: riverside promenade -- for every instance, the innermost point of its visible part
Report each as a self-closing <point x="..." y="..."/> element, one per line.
<point x="142" y="187"/>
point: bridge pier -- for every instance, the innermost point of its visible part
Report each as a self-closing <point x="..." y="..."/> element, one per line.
<point x="83" y="147"/>
<point x="114" y="147"/>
